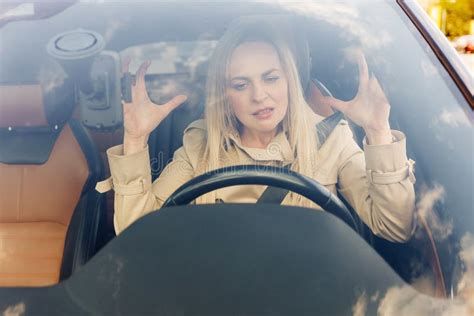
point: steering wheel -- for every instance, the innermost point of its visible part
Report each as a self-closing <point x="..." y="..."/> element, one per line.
<point x="263" y="175"/>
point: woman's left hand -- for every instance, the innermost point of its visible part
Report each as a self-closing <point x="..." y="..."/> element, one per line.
<point x="369" y="109"/>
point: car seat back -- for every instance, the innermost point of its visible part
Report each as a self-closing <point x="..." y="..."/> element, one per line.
<point x="168" y="136"/>
<point x="44" y="175"/>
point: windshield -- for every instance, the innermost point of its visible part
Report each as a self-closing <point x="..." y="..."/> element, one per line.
<point x="179" y="40"/>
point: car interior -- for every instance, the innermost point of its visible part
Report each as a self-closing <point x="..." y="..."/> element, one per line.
<point x="85" y="217"/>
<point x="52" y="220"/>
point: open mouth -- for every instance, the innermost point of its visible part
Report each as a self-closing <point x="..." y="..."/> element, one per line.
<point x="263" y="113"/>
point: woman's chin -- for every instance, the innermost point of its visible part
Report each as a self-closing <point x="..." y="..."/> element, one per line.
<point x="266" y="127"/>
<point x="262" y="125"/>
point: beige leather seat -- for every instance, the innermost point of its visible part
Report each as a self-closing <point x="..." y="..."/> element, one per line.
<point x="47" y="167"/>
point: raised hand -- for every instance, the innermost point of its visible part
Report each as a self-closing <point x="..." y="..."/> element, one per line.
<point x="369" y="109"/>
<point x="142" y="116"/>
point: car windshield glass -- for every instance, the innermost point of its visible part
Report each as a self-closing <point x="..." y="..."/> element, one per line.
<point x="39" y="91"/>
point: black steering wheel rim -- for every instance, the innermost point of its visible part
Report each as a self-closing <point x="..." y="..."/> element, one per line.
<point x="263" y="175"/>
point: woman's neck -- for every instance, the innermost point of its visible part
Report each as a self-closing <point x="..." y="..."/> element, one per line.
<point x="255" y="139"/>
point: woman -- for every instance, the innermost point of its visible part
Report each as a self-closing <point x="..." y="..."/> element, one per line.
<point x="256" y="114"/>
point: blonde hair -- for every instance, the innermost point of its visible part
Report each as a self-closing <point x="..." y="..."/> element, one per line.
<point x="221" y="122"/>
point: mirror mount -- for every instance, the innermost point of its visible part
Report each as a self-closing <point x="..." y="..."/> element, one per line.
<point x="96" y="74"/>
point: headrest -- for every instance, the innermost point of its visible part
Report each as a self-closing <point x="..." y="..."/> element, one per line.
<point x="30" y="106"/>
<point x="21" y="106"/>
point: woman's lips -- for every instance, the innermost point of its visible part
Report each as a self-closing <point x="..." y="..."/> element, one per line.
<point x="263" y="113"/>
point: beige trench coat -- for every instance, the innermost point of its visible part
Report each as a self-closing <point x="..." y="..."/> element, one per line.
<point x="378" y="184"/>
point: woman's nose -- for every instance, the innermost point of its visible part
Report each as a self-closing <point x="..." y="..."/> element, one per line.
<point x="259" y="93"/>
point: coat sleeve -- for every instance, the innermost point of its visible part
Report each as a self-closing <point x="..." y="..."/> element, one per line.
<point x="378" y="183"/>
<point x="135" y="195"/>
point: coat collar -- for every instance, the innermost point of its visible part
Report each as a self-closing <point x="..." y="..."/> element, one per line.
<point x="278" y="149"/>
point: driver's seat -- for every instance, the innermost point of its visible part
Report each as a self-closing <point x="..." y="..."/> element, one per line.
<point x="49" y="212"/>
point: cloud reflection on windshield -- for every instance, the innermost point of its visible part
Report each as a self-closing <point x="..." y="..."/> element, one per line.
<point x="406" y="301"/>
<point x="409" y="299"/>
<point x="345" y="16"/>
<point x="426" y="208"/>
<point x="453" y="118"/>
<point x="51" y="76"/>
<point x="15" y="310"/>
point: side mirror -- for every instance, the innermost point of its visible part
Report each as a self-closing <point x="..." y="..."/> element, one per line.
<point x="96" y="74"/>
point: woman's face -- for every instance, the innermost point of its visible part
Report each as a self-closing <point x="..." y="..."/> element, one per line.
<point x="258" y="87"/>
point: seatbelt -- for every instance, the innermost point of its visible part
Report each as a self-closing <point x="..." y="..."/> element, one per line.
<point x="273" y="195"/>
<point x="324" y="128"/>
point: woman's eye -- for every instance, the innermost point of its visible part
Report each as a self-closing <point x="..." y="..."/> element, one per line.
<point x="272" y="79"/>
<point x="239" y="86"/>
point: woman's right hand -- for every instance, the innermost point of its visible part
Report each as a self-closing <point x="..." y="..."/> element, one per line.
<point x="142" y="116"/>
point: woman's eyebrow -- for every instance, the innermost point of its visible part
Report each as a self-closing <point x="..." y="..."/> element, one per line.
<point x="239" y="78"/>
<point x="266" y="73"/>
